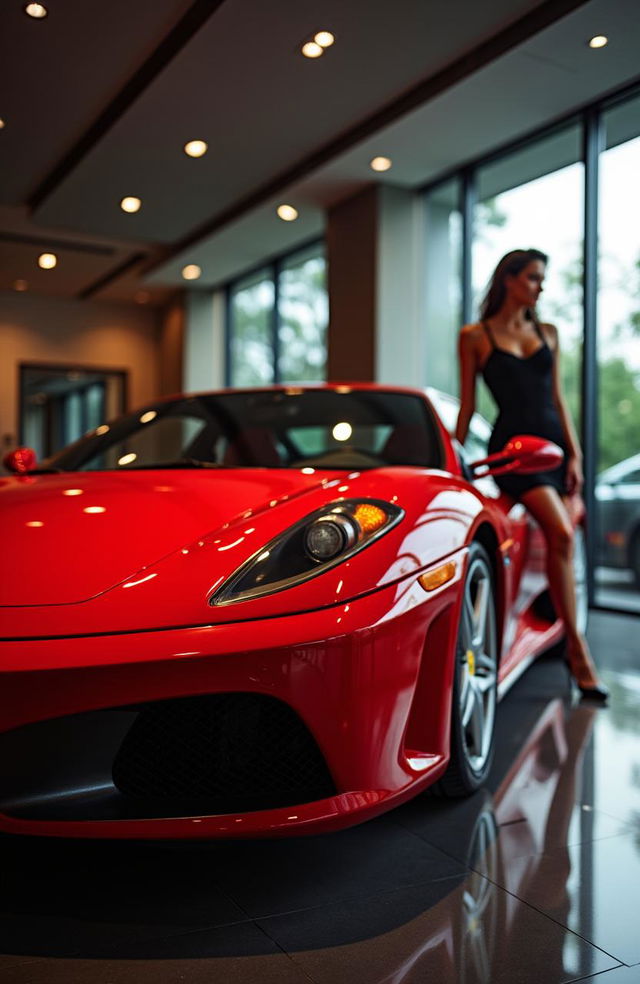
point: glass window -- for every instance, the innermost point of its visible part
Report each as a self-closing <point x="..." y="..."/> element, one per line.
<point x="251" y="351"/>
<point x="287" y="343"/>
<point x="443" y="284"/>
<point x="618" y="461"/>
<point x="302" y="318"/>
<point x="534" y="198"/>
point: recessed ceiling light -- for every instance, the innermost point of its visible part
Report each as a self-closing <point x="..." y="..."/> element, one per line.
<point x="287" y="212"/>
<point x="36" y="10"/>
<point x="324" y="38"/>
<point x="130" y="204"/>
<point x="191" y="272"/>
<point x="21" y="285"/>
<point x="380" y="164"/>
<point x="598" y="41"/>
<point x="312" y="49"/>
<point x="1" y="124"/>
<point x="47" y="261"/>
<point x="196" y="148"/>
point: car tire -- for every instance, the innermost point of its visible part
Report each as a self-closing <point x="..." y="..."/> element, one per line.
<point x="473" y="707"/>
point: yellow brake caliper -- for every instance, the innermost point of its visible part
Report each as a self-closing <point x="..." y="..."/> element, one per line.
<point x="471" y="661"/>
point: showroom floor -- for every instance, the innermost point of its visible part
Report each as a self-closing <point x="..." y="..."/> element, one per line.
<point x="536" y="879"/>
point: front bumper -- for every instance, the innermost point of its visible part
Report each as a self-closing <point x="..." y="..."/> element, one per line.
<point x="369" y="681"/>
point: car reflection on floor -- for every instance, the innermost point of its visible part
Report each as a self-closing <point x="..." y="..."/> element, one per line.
<point x="532" y="810"/>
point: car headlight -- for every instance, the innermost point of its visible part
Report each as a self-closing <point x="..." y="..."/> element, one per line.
<point x="310" y="547"/>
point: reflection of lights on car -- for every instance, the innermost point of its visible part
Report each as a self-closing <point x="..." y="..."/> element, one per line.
<point x="34" y="522"/>
<point x="228" y="546"/>
<point x="308" y="471"/>
<point x="127" y="459"/>
<point x="148" y="416"/>
<point x="102" y="429"/>
<point x="72" y="491"/>
<point x="95" y="509"/>
<point x="342" y="431"/>
<point x="132" y="584"/>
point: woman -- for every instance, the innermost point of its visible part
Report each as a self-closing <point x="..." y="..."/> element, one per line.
<point x="518" y="358"/>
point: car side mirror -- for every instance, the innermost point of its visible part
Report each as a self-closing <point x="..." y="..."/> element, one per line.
<point x="20" y="461"/>
<point x="521" y="455"/>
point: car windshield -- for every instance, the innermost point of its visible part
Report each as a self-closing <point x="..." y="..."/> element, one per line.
<point x="334" y="429"/>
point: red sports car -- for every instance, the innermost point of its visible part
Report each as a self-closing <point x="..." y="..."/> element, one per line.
<point x="258" y="612"/>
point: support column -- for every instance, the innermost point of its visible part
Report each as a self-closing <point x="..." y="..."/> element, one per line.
<point x="204" y="351"/>
<point x="376" y="289"/>
<point x="351" y="279"/>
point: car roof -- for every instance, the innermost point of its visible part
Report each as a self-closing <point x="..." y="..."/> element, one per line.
<point x="620" y="469"/>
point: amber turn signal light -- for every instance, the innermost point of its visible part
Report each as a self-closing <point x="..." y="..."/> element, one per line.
<point x="369" y="517"/>
<point x="441" y="575"/>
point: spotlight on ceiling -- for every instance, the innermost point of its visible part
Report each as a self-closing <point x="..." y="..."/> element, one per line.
<point x="196" y="148"/>
<point x="130" y="204"/>
<point x="380" y="164"/>
<point x="324" y="38"/>
<point x="20" y="285"/>
<point x="598" y="41"/>
<point x="47" y="261"/>
<point x="287" y="213"/>
<point x="312" y="49"/>
<point x="36" y="10"/>
<point x="191" y="272"/>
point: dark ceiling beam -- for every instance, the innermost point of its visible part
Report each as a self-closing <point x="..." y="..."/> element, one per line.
<point x="111" y="275"/>
<point x="541" y="17"/>
<point x="198" y="13"/>
<point x="41" y="242"/>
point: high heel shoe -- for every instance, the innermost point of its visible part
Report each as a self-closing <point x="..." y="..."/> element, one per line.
<point x="595" y="691"/>
<point x="599" y="693"/>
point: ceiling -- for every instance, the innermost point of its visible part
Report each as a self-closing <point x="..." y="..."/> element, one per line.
<point x="99" y="99"/>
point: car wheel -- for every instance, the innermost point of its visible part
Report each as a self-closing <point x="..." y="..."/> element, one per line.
<point x="580" y="578"/>
<point x="473" y="709"/>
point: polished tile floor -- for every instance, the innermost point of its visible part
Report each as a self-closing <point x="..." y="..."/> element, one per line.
<point x="534" y="880"/>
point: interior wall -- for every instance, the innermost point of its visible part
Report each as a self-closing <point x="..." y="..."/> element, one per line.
<point x="80" y="333"/>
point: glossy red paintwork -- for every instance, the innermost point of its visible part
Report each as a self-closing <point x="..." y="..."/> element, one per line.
<point x="106" y="609"/>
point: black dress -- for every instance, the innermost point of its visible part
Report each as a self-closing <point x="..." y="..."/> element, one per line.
<point x="523" y="390"/>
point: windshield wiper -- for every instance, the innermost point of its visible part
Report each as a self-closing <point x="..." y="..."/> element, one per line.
<point x="179" y="463"/>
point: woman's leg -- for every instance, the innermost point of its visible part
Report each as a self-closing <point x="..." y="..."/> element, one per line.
<point x="549" y="511"/>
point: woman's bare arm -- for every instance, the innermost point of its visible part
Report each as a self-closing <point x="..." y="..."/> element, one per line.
<point x="467" y="361"/>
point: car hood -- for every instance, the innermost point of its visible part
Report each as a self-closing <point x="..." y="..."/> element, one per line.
<point x="69" y="537"/>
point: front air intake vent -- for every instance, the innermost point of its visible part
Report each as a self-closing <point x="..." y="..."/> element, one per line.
<point x="220" y="753"/>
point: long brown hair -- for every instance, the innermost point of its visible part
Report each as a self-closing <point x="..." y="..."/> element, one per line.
<point x="510" y="265"/>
